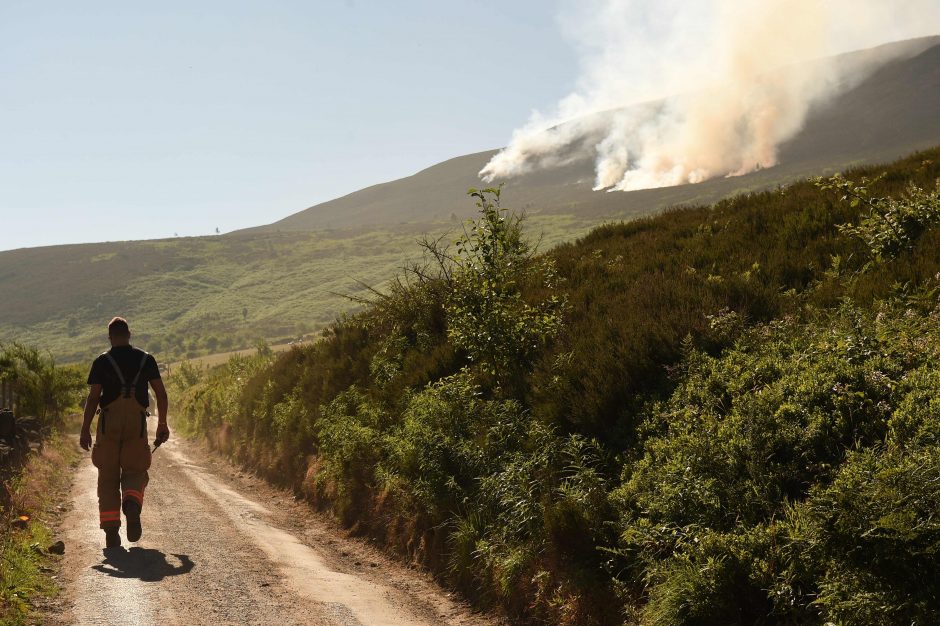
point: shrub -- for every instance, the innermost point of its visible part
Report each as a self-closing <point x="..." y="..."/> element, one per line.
<point x="488" y="315"/>
<point x="765" y="477"/>
<point x="892" y="225"/>
<point x="350" y="444"/>
<point x="869" y="543"/>
<point x="43" y="389"/>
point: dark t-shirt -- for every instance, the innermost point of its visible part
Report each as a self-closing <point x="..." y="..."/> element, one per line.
<point x="128" y="359"/>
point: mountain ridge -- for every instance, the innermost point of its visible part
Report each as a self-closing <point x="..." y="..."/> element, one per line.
<point x="438" y="191"/>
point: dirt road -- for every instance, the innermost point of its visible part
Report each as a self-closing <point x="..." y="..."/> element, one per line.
<point x="221" y="547"/>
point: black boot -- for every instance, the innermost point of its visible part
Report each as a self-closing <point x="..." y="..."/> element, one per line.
<point x="112" y="538"/>
<point x="132" y="515"/>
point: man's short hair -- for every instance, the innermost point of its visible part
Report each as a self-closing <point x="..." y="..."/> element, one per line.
<point x="118" y="328"/>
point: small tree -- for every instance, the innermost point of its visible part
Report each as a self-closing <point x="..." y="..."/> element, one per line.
<point x="891" y="226"/>
<point x="489" y="315"/>
<point x="43" y="389"/>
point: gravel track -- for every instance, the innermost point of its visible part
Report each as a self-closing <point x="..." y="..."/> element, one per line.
<point x="223" y="547"/>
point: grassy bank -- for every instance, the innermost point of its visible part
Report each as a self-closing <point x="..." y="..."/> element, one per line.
<point x="28" y="517"/>
<point x="34" y="463"/>
<point x="718" y="415"/>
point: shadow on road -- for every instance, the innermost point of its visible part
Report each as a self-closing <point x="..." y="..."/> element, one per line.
<point x="145" y="564"/>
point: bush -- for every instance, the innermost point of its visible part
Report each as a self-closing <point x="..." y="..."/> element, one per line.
<point x="350" y="442"/>
<point x="769" y="418"/>
<point x="869" y="543"/>
<point x="778" y="483"/>
<point x="42" y="388"/>
<point x="711" y="579"/>
<point x="893" y="225"/>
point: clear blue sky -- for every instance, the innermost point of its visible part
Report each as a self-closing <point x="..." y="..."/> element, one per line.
<point x="130" y="120"/>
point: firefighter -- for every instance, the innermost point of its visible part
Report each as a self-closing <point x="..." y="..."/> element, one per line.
<point x="118" y="384"/>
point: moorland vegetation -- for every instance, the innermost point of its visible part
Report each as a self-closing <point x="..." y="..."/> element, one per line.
<point x="38" y="394"/>
<point x="725" y="414"/>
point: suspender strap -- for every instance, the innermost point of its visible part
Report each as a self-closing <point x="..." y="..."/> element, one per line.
<point x="140" y="369"/>
<point x="125" y="388"/>
<point x="117" y="370"/>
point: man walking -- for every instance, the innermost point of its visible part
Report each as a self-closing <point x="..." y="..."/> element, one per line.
<point x="118" y="384"/>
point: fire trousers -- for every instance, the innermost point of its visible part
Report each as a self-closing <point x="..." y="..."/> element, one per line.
<point x="122" y="455"/>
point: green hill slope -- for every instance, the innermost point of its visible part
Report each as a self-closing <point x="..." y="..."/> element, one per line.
<point x="723" y="414"/>
<point x="187" y="296"/>
<point x="193" y="296"/>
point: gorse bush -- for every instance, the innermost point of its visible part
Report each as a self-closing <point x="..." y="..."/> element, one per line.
<point x="718" y="415"/>
<point x="789" y="414"/>
<point x="43" y="389"/>
<point x="44" y="393"/>
<point x="773" y="415"/>
<point x="868" y="543"/>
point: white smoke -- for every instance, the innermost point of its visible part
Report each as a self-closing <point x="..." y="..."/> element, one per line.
<point x="724" y="82"/>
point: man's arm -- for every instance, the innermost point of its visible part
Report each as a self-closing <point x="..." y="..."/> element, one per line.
<point x="91" y="405"/>
<point x="163" y="431"/>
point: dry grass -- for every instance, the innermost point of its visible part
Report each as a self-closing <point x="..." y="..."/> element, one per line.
<point x="33" y="495"/>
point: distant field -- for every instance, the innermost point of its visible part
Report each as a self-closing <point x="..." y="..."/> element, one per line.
<point x="212" y="360"/>
<point x="191" y="297"/>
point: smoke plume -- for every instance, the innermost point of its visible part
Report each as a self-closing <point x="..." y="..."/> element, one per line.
<point x="680" y="91"/>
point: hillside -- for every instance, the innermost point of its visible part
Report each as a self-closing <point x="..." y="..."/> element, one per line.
<point x="185" y="296"/>
<point x="192" y="296"/>
<point x="719" y="415"/>
<point x="891" y="113"/>
<point x="195" y="296"/>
